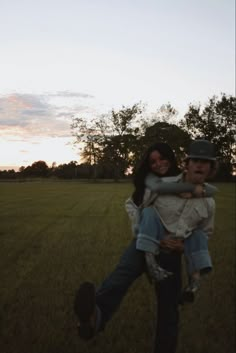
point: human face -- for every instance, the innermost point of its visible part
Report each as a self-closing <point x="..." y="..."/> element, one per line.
<point x="158" y="165"/>
<point x="197" y="170"/>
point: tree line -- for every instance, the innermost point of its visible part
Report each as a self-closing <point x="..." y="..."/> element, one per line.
<point x="112" y="145"/>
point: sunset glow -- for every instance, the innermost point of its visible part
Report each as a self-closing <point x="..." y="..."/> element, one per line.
<point x="73" y="58"/>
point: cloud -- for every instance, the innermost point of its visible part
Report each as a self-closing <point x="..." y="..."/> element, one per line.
<point x="37" y="115"/>
<point x="70" y="94"/>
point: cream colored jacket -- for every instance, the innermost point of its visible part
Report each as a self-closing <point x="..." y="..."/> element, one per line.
<point x="179" y="216"/>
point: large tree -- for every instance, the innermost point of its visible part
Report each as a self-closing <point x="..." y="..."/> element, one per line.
<point x="37" y="169"/>
<point x="215" y="122"/>
<point x="110" y="140"/>
<point x="172" y="134"/>
<point x="162" y="127"/>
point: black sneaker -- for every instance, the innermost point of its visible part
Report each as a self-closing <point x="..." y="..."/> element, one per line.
<point x="189" y="292"/>
<point x="85" y="310"/>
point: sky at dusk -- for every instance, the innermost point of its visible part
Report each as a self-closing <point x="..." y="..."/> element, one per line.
<point x="65" y="58"/>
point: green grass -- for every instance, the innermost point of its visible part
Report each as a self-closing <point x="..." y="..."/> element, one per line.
<point x="54" y="235"/>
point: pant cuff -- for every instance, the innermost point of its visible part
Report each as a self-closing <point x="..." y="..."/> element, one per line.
<point x="147" y="244"/>
<point x="199" y="261"/>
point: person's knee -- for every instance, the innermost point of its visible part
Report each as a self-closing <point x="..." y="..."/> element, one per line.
<point x="197" y="241"/>
<point x="199" y="235"/>
<point x="149" y="212"/>
<point x="150" y="223"/>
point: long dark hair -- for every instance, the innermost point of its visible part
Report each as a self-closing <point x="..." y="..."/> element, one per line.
<point x="143" y="169"/>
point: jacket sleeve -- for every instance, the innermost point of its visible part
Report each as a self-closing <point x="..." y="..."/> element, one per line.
<point x="167" y="186"/>
<point x="131" y="208"/>
<point x="133" y="212"/>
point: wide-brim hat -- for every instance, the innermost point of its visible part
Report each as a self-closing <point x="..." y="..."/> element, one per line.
<point x="202" y="149"/>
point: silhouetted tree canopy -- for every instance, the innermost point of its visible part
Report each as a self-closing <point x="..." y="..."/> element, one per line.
<point x="112" y="144"/>
<point x="216" y="121"/>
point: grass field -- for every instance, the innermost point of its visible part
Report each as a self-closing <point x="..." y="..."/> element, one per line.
<point x="54" y="235"/>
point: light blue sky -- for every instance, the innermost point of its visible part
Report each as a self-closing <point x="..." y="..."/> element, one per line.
<point x="66" y="57"/>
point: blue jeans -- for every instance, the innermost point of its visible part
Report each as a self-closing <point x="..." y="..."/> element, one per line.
<point x="113" y="289"/>
<point x="151" y="231"/>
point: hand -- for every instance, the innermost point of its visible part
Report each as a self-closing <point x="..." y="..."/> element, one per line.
<point x="198" y="190"/>
<point x="176" y="245"/>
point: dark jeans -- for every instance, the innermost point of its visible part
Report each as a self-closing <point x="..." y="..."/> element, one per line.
<point x="168" y="294"/>
<point x="132" y="264"/>
<point x="112" y="290"/>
